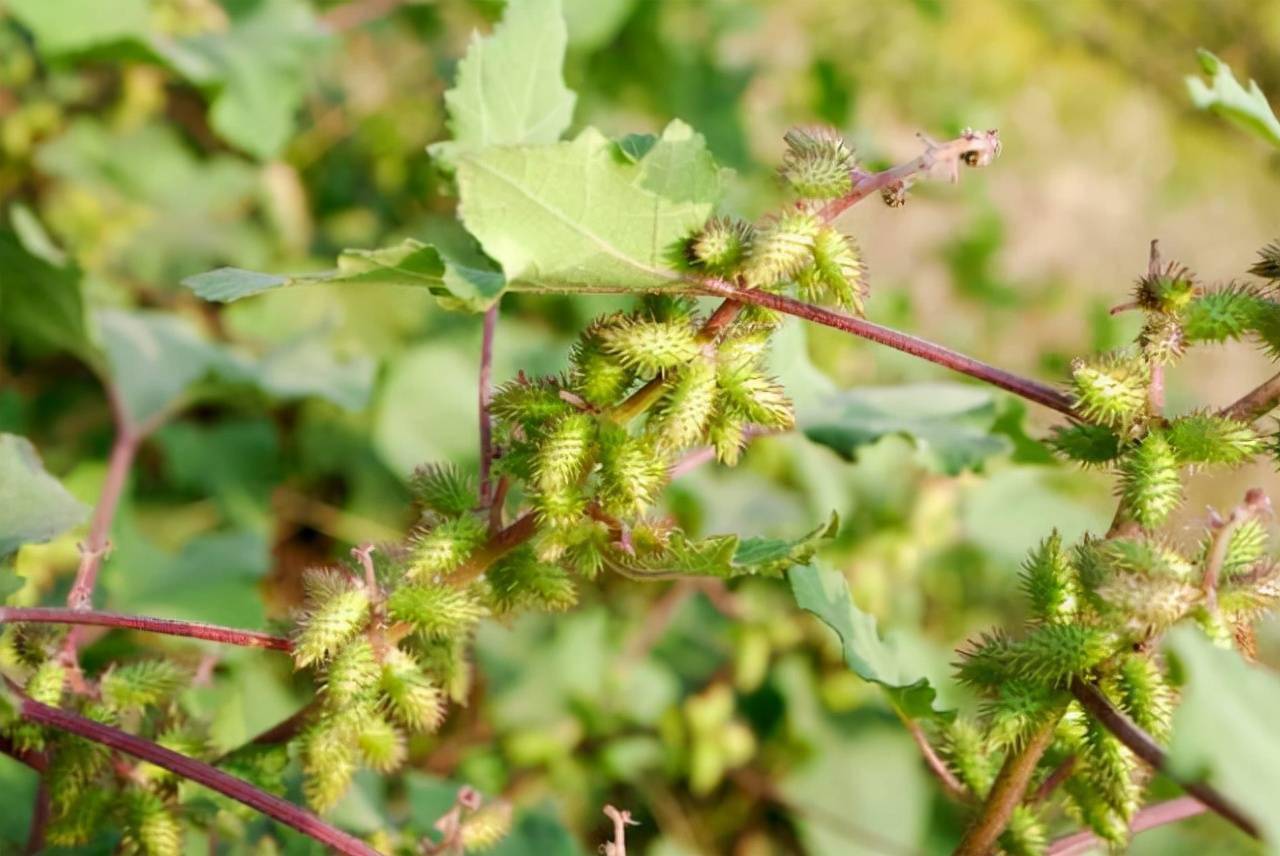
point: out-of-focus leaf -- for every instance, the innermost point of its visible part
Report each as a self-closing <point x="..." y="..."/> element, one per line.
<point x="34" y="506"/>
<point x="1224" y="729"/>
<point x="310" y="368"/>
<point x="40" y="303"/>
<point x="467" y="284"/>
<point x="581" y="216"/>
<point x="538" y="832"/>
<point x="593" y="23"/>
<point x="1005" y="513"/>
<point x="510" y="86"/>
<point x="826" y="594"/>
<point x="154" y="357"/>
<point x="950" y="423"/>
<point x="18" y="783"/>
<point x="140" y="199"/>
<point x="865" y="794"/>
<point x="255" y="70"/>
<point x="1224" y="95"/>
<point x="66" y="26"/>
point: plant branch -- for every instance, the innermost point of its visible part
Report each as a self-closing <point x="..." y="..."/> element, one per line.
<point x="34" y="760"/>
<point x="1255" y="501"/>
<point x="486" y="397"/>
<point x="499" y="545"/>
<point x="1145" y="747"/>
<point x="1008" y="791"/>
<point x="1026" y="388"/>
<point x="197" y="771"/>
<point x="951" y="785"/>
<point x="1059" y="775"/>
<point x="39" y="819"/>
<point x="621" y="820"/>
<point x="1256" y="403"/>
<point x="165" y="626"/>
<point x="1160" y="814"/>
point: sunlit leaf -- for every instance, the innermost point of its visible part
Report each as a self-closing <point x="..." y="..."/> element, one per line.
<point x="826" y="594"/>
<point x="1224" y="95"/>
<point x="584" y="216"/>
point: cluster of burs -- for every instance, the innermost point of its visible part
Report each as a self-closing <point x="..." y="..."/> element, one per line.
<point x="1099" y="608"/>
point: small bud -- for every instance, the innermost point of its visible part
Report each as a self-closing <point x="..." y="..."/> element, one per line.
<point x="817" y="163"/>
<point x="1169" y="291"/>
<point x="722" y="245"/>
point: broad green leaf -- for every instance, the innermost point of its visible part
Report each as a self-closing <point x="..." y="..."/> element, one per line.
<point x="728" y="556"/>
<point x="40" y="303"/>
<point x="1224" y="95"/>
<point x="154" y="358"/>
<point x="255" y="70"/>
<point x="468" y="284"/>
<point x="826" y="594"/>
<point x="593" y="23"/>
<point x="64" y="26"/>
<point x="34" y="506"/>
<point x="1224" y="728"/>
<point x="309" y="368"/>
<point x="950" y="423"/>
<point x="584" y="216"/>
<point x="510" y="85"/>
<point x="873" y="782"/>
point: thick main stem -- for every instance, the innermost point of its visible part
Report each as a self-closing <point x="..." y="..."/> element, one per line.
<point x="1145" y="747"/>
<point x="1008" y="791"/>
<point x="237" y="789"/>
<point x="165" y="626"/>
<point x="1024" y="387"/>
<point x="1258" y="402"/>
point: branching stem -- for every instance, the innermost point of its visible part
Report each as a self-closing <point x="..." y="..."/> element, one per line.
<point x="1145" y="747"/>
<point x="237" y="789"/>
<point x="1169" y="811"/>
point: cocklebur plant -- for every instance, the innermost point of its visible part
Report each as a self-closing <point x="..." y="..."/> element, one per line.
<point x="1099" y="608"/>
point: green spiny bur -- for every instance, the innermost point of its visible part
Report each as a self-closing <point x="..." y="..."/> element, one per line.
<point x="817" y="163"/>
<point x="1228" y="313"/>
<point x="680" y="418"/>
<point x="436" y="609"/>
<point x="381" y="744"/>
<point x="633" y="471"/>
<point x="148" y="825"/>
<point x="722" y="245"/>
<point x="445" y="546"/>
<point x="444" y="489"/>
<point x="649" y="346"/>
<point x="328" y="626"/>
<point x="564" y="451"/>
<point x="1111" y="389"/>
<point x="836" y="274"/>
<point x="782" y="249"/>
<point x="1206" y="438"/>
<point x="1049" y="581"/>
<point x="411" y="697"/>
<point x="141" y="684"/>
<point x="1151" y="480"/>
<point x="352" y="674"/>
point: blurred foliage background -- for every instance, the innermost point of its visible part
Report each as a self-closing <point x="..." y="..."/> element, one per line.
<point x="153" y="139"/>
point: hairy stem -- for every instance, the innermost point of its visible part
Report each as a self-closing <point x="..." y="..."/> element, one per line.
<point x="1008" y="791"/>
<point x="951" y="785"/>
<point x="1029" y="389"/>
<point x="165" y="626"/>
<point x="1145" y="747"/>
<point x="94" y="549"/>
<point x="237" y="789"/>
<point x="499" y="545"/>
<point x="1160" y="814"/>
<point x="486" y="396"/>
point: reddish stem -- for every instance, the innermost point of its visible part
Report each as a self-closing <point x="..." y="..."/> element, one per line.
<point x="166" y="626"/>
<point x="1024" y="387"/>
<point x="486" y="396"/>
<point x="123" y="451"/>
<point x="1170" y="811"/>
<point x="197" y="771"/>
<point x="1145" y="747"/>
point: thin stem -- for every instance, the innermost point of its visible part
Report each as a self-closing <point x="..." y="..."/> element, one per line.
<point x="1145" y="747"/>
<point x="621" y="820"/>
<point x="1059" y="775"/>
<point x="1024" y="387"/>
<point x="166" y="626"/>
<point x="237" y="789"/>
<point x="1160" y="814"/>
<point x="120" y="462"/>
<point x="39" y="819"/>
<point x="1008" y="791"/>
<point x="1255" y="404"/>
<point x="508" y="539"/>
<point x="951" y="785"/>
<point x="486" y="397"/>
<point x="971" y="148"/>
<point x="34" y="760"/>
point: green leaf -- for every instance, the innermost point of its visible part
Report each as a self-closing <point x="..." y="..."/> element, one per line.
<point x="826" y="595"/>
<point x="952" y="424"/>
<point x="462" y="283"/>
<point x="1241" y="759"/>
<point x="34" y="506"/>
<point x="583" y="216"/>
<point x="255" y="70"/>
<point x="73" y="25"/>
<point x="594" y="23"/>
<point x="309" y="367"/>
<point x="1225" y="96"/>
<point x="40" y="303"/>
<point x="153" y="358"/>
<point x="728" y="556"/>
<point x="510" y="86"/>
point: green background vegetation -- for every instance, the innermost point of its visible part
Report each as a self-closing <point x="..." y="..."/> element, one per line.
<point x="165" y="138"/>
